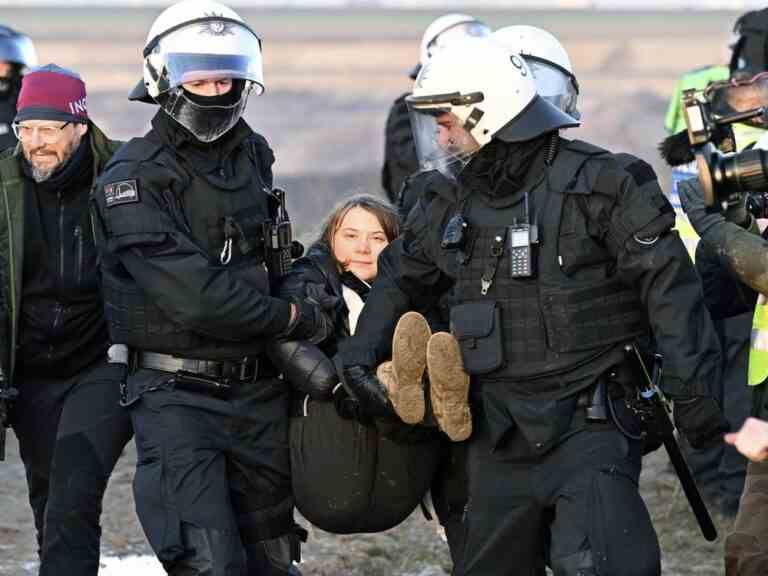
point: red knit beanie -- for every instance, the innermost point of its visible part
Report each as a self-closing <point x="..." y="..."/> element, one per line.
<point x="52" y="93"/>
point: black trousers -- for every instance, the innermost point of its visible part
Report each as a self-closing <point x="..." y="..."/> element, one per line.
<point x="212" y="484"/>
<point x="71" y="432"/>
<point x="577" y="506"/>
<point x="449" y="495"/>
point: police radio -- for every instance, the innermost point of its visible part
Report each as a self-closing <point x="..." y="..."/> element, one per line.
<point x="280" y="249"/>
<point x="522" y="238"/>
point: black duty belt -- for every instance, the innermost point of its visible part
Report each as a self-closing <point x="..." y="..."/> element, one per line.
<point x="244" y="370"/>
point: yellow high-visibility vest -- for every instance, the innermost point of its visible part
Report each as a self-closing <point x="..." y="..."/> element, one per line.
<point x="758" y="348"/>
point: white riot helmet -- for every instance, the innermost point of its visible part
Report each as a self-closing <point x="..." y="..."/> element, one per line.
<point x="17" y="48"/>
<point x="200" y="40"/>
<point x="549" y="63"/>
<point x="487" y="93"/>
<point x="445" y="30"/>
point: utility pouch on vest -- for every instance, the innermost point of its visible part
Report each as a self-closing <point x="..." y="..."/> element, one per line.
<point x="477" y="327"/>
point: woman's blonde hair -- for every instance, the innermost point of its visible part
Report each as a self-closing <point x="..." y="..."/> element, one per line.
<point x="384" y="212"/>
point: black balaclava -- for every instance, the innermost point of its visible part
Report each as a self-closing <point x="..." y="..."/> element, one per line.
<point x="207" y="117"/>
<point x="228" y="99"/>
<point x="500" y="168"/>
<point x="10" y="85"/>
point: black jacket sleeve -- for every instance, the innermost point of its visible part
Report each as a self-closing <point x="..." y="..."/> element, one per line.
<point x="161" y="257"/>
<point x="635" y="220"/>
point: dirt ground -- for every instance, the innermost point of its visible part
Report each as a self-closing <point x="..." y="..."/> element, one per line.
<point x="330" y="78"/>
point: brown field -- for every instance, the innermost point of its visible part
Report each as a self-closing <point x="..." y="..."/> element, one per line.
<point x="330" y="79"/>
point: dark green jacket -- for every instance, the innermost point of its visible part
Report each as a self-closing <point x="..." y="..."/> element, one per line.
<point x="12" y="197"/>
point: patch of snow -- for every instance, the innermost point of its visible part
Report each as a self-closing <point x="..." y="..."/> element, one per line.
<point x="130" y="566"/>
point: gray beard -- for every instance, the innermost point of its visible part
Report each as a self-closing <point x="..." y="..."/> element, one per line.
<point x="41" y="175"/>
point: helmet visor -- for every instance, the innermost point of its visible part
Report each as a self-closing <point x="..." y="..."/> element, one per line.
<point x="731" y="97"/>
<point x="458" y="32"/>
<point x="442" y="142"/>
<point x="231" y="50"/>
<point x="555" y="86"/>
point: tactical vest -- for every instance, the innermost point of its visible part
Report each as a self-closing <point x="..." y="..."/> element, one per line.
<point x="200" y="206"/>
<point x="571" y="311"/>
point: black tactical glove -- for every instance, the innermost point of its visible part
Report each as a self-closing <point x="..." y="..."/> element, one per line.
<point x="700" y="420"/>
<point x="317" y="294"/>
<point x="305" y="366"/>
<point x="737" y="213"/>
<point x="370" y="393"/>
<point x="702" y="219"/>
<point x="310" y="323"/>
<point x="708" y="222"/>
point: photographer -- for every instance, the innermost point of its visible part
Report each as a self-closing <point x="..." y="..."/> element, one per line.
<point x="731" y="238"/>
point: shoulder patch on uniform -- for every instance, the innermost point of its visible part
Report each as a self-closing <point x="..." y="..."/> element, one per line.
<point x="641" y="172"/>
<point x="122" y="192"/>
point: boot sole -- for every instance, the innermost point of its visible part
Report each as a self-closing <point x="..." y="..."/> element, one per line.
<point x="409" y="361"/>
<point x="449" y="386"/>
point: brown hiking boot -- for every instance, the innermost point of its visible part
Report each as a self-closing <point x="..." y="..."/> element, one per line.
<point x="403" y="376"/>
<point x="449" y="386"/>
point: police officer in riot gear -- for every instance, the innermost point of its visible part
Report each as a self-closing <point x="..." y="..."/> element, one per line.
<point x="16" y="55"/>
<point x="558" y="253"/>
<point x="399" y="153"/>
<point x="555" y="82"/>
<point x="180" y="212"/>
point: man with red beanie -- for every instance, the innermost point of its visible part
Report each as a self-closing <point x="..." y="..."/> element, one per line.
<point x="61" y="393"/>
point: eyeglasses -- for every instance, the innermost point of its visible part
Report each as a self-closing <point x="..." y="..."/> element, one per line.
<point x="48" y="134"/>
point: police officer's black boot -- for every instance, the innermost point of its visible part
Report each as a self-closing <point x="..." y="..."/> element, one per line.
<point x="273" y="557"/>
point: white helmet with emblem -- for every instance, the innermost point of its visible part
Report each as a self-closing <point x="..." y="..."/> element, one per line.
<point x="488" y="92"/>
<point x="549" y="63"/>
<point x="445" y="30"/>
<point x="197" y="40"/>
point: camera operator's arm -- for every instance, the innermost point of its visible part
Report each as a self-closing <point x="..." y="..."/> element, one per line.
<point x="724" y="293"/>
<point x="636" y="220"/>
<point x="743" y="248"/>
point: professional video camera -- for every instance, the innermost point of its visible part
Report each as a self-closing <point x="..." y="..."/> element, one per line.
<point x="726" y="176"/>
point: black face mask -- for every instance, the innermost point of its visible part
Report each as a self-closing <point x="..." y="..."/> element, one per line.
<point x="500" y="168"/>
<point x="227" y="99"/>
<point x="208" y="118"/>
<point x="10" y="85"/>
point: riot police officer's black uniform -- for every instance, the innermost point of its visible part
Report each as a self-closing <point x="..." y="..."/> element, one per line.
<point x="400" y="160"/>
<point x="606" y="267"/>
<point x="186" y="288"/>
<point x="9" y="93"/>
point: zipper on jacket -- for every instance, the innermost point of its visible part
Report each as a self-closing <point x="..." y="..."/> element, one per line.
<point x="56" y="317"/>
<point x="61" y="237"/>
<point x="79" y="254"/>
